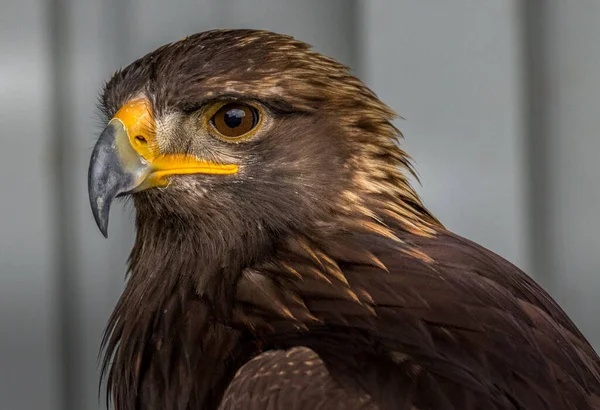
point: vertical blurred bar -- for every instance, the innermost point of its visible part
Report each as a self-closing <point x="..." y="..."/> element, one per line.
<point x="66" y="278"/>
<point x="535" y="94"/>
<point x="28" y="317"/>
<point x="564" y="88"/>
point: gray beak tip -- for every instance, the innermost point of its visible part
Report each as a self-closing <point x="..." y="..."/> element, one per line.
<point x="101" y="218"/>
<point x="100" y="205"/>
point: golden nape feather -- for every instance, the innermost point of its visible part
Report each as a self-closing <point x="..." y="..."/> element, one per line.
<point x="283" y="260"/>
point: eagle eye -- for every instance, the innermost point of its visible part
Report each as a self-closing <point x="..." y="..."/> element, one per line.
<point x="234" y="120"/>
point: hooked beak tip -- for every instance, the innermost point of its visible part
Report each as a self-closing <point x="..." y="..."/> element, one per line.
<point x="101" y="213"/>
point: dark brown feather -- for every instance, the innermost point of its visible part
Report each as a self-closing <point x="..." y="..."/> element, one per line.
<point x="295" y="379"/>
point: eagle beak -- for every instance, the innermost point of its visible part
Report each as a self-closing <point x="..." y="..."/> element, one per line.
<point x="115" y="169"/>
<point x="127" y="159"/>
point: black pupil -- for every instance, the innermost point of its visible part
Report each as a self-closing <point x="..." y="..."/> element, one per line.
<point x="234" y="117"/>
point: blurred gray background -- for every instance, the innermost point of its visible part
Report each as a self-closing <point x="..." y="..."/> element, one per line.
<point x="501" y="100"/>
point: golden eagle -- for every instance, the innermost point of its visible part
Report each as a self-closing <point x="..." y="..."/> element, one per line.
<point x="283" y="260"/>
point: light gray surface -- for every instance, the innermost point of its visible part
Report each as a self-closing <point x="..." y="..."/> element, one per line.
<point x="500" y="105"/>
<point x="28" y="336"/>
<point x="570" y="98"/>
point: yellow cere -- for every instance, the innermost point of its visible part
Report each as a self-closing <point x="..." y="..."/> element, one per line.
<point x="139" y="122"/>
<point x="140" y="125"/>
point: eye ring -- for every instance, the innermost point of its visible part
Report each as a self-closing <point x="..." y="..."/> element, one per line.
<point x="235" y="121"/>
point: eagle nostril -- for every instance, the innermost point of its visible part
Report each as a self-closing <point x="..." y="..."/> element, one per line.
<point x="140" y="139"/>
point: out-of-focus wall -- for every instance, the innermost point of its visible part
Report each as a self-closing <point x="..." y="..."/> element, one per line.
<point x="453" y="70"/>
<point x="28" y="319"/>
<point x="499" y="100"/>
<point x="564" y="86"/>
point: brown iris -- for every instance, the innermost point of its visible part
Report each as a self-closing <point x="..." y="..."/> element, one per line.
<point x="235" y="120"/>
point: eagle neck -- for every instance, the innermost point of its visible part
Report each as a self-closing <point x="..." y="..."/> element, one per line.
<point x="166" y="342"/>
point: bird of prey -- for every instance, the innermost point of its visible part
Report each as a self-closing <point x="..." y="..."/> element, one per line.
<point x="283" y="260"/>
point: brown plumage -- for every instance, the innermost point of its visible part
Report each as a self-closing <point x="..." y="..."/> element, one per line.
<point x="313" y="277"/>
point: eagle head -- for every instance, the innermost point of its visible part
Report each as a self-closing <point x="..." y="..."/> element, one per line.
<point x="240" y="137"/>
